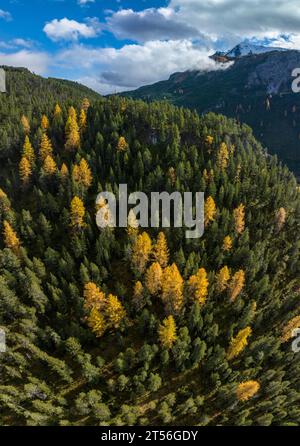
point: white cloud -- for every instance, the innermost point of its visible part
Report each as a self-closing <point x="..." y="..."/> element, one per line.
<point x="5" y="15"/>
<point x="35" y="61"/>
<point x="71" y="30"/>
<point x="84" y="2"/>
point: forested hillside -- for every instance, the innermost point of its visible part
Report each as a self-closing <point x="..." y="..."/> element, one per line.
<point x="133" y="326"/>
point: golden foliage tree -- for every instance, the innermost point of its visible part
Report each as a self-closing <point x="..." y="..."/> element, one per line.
<point x="153" y="278"/>
<point x="57" y="110"/>
<point x="122" y="145"/>
<point x="77" y="213"/>
<point x="28" y="151"/>
<point x="45" y="147"/>
<point x="292" y="325"/>
<point x="44" y="123"/>
<point x="82" y="120"/>
<point x="133" y="224"/>
<point x="172" y="290"/>
<point x="238" y="344"/>
<point x="114" y="311"/>
<point x="138" y="295"/>
<point x="236" y="285"/>
<point x="223" y="278"/>
<point x="210" y="210"/>
<point x="223" y="156"/>
<point x="96" y="322"/>
<point x="4" y="201"/>
<point x="141" y="250"/>
<point x="161" y="250"/>
<point x="247" y="390"/>
<point x="280" y="219"/>
<point x="82" y="174"/>
<point x="227" y="243"/>
<point x="64" y="171"/>
<point x="11" y="239"/>
<point x="49" y="166"/>
<point x="72" y="131"/>
<point x="93" y="297"/>
<point x="25" y="124"/>
<point x="85" y="104"/>
<point x="239" y="219"/>
<point x="198" y="286"/>
<point x="25" y="170"/>
<point x="167" y="332"/>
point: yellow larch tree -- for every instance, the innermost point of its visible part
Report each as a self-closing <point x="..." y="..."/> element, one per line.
<point x="114" y="311"/>
<point x="64" y="171"/>
<point x="28" y="151"/>
<point x="227" y="243"/>
<point x="172" y="175"/>
<point x="82" y="174"/>
<point x="247" y="390"/>
<point x="236" y="285"/>
<point x="210" y="210"/>
<point x="25" y="124"/>
<point x="172" y="290"/>
<point x="72" y="131"/>
<point x="239" y="219"/>
<point x="287" y="332"/>
<point x="167" y="332"/>
<point x="280" y="219"/>
<point x="85" y="104"/>
<point x="93" y="297"/>
<point x="44" y="123"/>
<point x="161" y="250"/>
<point x="49" y="166"/>
<point x="223" y="278"/>
<point x="45" y="148"/>
<point x="57" y="110"/>
<point x="153" y="278"/>
<point x="122" y="145"/>
<point x="82" y="120"/>
<point x="133" y="225"/>
<point x="77" y="213"/>
<point x="223" y="156"/>
<point x="141" y="250"/>
<point x="198" y="286"/>
<point x="96" y="322"/>
<point x="238" y="344"/>
<point x="138" y="294"/>
<point x="11" y="239"/>
<point x="25" y="170"/>
<point x="4" y="201"/>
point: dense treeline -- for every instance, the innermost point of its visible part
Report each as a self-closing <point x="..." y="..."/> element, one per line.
<point x="133" y="326"/>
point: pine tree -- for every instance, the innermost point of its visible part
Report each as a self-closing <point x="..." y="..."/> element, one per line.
<point x="114" y="311"/>
<point x="93" y="297"/>
<point x="122" y="144"/>
<point x="25" y="124"/>
<point x="153" y="278"/>
<point x="167" y="332"/>
<point x="198" y="286"/>
<point x="223" y="156"/>
<point x="223" y="277"/>
<point x="45" y="147"/>
<point x="77" y="213"/>
<point x="238" y="344"/>
<point x="236" y="285"/>
<point x="44" y="123"/>
<point x="28" y="151"/>
<point x="25" y="170"/>
<point x="239" y="219"/>
<point x="141" y="251"/>
<point x="172" y="290"/>
<point x="96" y="322"/>
<point x="210" y="211"/>
<point x="247" y="390"/>
<point x="11" y="239"/>
<point x="49" y="166"/>
<point x="161" y="250"/>
<point x="227" y="243"/>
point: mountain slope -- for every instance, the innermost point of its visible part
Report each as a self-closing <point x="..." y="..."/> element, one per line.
<point x="255" y="89"/>
<point x="142" y="326"/>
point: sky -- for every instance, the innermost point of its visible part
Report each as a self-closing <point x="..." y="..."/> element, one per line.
<point x="118" y="45"/>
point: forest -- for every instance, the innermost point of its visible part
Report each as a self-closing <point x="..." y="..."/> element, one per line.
<point x="133" y="326"/>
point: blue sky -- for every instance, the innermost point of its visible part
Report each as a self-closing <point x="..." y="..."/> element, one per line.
<point x="115" y="45"/>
